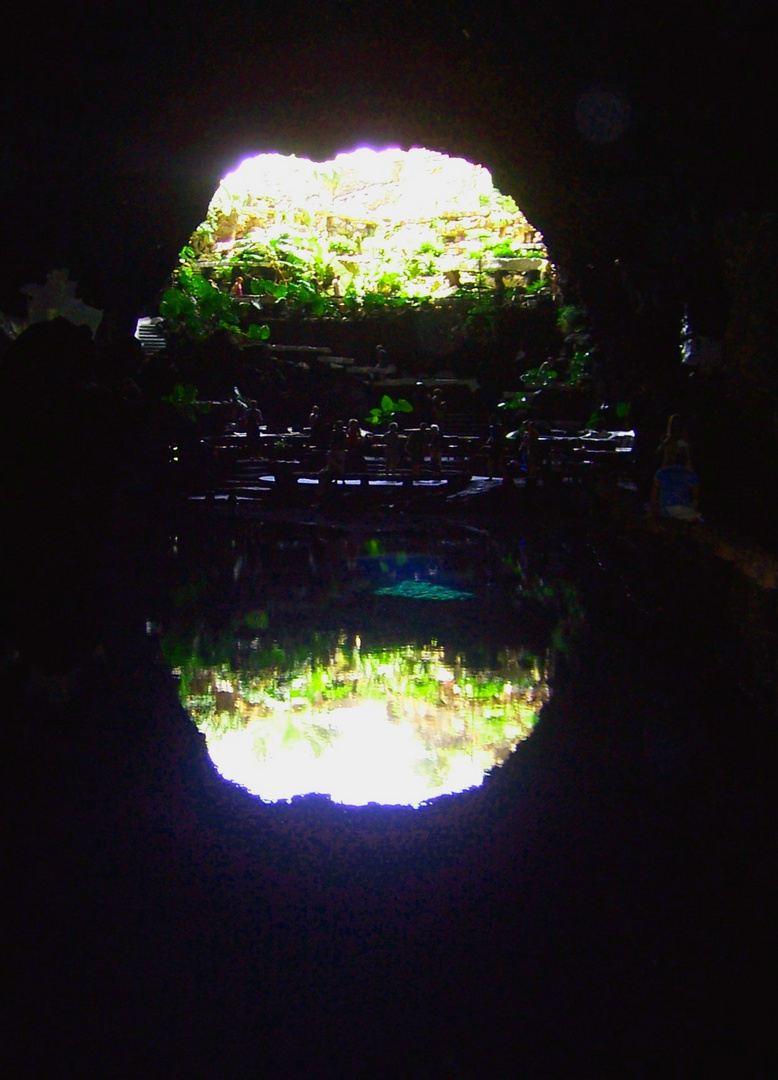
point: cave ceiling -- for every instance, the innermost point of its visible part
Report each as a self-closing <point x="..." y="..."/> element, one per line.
<point x="616" y="132"/>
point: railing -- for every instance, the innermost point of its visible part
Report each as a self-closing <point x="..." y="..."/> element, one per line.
<point x="286" y="462"/>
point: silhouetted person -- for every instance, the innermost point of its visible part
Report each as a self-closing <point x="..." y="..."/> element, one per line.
<point x="675" y="492"/>
<point x="392" y="448"/>
<point x="336" y="455"/>
<point x="675" y="441"/>
<point x="355" y="448"/>
<point x="416" y="448"/>
<point x="529" y="451"/>
<point x="495" y="444"/>
<point x="252" y="422"/>
<point x="435" y="447"/>
<point x="318" y="437"/>
<point x="438" y="408"/>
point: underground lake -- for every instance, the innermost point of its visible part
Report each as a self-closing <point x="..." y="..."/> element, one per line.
<point x="388" y="666"/>
<point x="604" y="867"/>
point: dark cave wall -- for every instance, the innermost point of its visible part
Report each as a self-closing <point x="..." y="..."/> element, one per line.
<point x="118" y="127"/>
<point x="117" y="141"/>
<point x="111" y="178"/>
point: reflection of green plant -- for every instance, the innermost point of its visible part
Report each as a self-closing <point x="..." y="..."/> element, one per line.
<point x="388" y="410"/>
<point x="496" y="704"/>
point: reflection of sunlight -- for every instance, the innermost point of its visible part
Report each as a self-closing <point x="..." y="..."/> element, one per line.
<point x="386" y="716"/>
<point x="370" y="759"/>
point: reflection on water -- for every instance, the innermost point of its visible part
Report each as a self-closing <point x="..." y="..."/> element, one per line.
<point x="373" y="669"/>
<point x="391" y="726"/>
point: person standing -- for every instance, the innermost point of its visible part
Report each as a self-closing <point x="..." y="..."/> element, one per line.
<point x="438" y="407"/>
<point x="417" y="448"/>
<point x="675" y="441"/>
<point x="529" y="451"/>
<point x="355" y="457"/>
<point x="494" y="449"/>
<point x="392" y="448"/>
<point x="252" y="425"/>
<point x="336" y="455"/>
<point x="435" y="448"/>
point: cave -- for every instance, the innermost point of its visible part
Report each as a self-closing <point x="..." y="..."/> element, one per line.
<point x="601" y="904"/>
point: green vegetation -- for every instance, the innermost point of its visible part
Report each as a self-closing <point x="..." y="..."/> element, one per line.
<point x="294" y="274"/>
<point x="388" y="410"/>
<point x="571" y="318"/>
<point x="197" y="306"/>
<point x="183" y="399"/>
<point x="313" y="260"/>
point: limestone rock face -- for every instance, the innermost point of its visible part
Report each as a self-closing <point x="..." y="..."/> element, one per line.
<point x="416" y="222"/>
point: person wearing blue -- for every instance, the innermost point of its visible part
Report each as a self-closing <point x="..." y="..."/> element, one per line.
<point x="675" y="492"/>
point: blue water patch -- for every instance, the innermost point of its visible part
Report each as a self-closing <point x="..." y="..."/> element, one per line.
<point x="423" y="590"/>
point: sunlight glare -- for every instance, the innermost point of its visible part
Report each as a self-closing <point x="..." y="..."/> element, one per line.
<point x="371" y="759"/>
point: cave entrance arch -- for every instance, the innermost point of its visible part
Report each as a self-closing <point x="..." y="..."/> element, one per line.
<point x="366" y="232"/>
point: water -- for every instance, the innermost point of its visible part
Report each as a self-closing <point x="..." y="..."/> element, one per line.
<point x="608" y="881"/>
<point x="373" y="667"/>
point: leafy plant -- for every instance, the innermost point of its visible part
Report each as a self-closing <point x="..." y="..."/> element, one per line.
<point x="388" y="410"/>
<point x="539" y="378"/>
<point x="519" y="402"/>
<point x="183" y="398"/>
<point x="342" y="245"/>
<point x="578" y="369"/>
<point x="258" y="332"/>
<point x="506" y="250"/>
<point x="571" y="318"/>
<point x="197" y="306"/>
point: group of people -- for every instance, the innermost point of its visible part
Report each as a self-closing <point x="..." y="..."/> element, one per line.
<point x="346" y="448"/>
<point x="674" y="490"/>
<point x="345" y="444"/>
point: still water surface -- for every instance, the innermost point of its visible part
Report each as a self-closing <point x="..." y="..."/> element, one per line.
<point x="386" y="667"/>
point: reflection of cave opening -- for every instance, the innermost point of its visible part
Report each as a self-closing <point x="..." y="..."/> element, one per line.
<point x="307" y="672"/>
<point x="392" y="725"/>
